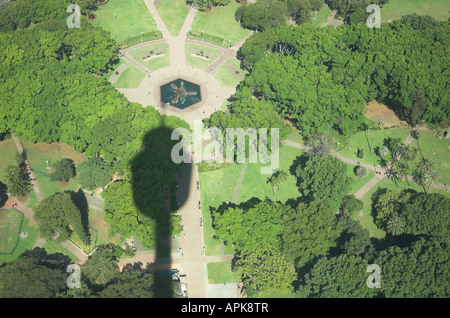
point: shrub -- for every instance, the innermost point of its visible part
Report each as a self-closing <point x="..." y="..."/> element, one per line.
<point x="64" y="170"/>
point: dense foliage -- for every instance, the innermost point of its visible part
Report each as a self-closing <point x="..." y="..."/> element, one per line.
<point x="64" y="170"/>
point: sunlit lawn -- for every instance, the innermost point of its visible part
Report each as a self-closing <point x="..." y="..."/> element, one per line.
<point x="322" y="16"/>
<point x="8" y="154"/>
<point x="53" y="247"/>
<point x="220" y="272"/>
<point x="24" y="244"/>
<point x="173" y="13"/>
<point x="133" y="18"/>
<point x="357" y="182"/>
<point x="130" y="78"/>
<point x="395" y="9"/>
<point x="220" y="22"/>
<point x="229" y="73"/>
<point x="197" y="61"/>
<point x="363" y="140"/>
<point x="154" y="63"/>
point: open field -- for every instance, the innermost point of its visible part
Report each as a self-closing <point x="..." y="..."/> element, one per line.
<point x="53" y="247"/>
<point x="10" y="224"/>
<point x="220" y="22"/>
<point x="220" y="186"/>
<point x="8" y="153"/>
<point x="199" y="62"/>
<point x="130" y="78"/>
<point x="24" y="244"/>
<point x="173" y="13"/>
<point x="39" y="153"/>
<point x="132" y="18"/>
<point x="322" y="16"/>
<point x="395" y="9"/>
<point x="155" y="63"/>
<point x="220" y="272"/>
<point x="229" y="73"/>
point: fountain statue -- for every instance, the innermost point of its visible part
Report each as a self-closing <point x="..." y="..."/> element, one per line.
<point x="181" y="92"/>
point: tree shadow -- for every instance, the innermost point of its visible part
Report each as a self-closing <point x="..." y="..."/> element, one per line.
<point x="79" y="199"/>
<point x="154" y="174"/>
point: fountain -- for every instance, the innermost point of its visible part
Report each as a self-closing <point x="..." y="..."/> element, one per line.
<point x="180" y="93"/>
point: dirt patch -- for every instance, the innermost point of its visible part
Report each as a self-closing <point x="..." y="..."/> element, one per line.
<point x="380" y="112"/>
<point x="91" y="17"/>
<point x="63" y="184"/>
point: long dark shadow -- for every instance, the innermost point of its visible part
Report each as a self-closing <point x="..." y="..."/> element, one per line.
<point x="154" y="184"/>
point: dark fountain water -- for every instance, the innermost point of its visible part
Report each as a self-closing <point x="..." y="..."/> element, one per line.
<point x="180" y="93"/>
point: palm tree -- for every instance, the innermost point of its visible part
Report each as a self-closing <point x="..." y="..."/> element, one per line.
<point x="395" y="225"/>
<point x="383" y="151"/>
<point x="430" y="177"/>
<point x="378" y="126"/>
<point x="277" y="179"/>
<point x="416" y="135"/>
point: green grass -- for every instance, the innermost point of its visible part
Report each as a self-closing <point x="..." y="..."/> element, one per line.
<point x="8" y="153"/>
<point x="215" y="185"/>
<point x="154" y="63"/>
<point x="10" y="224"/>
<point x="322" y="16"/>
<point x="24" y="244"/>
<point x="226" y="75"/>
<point x="53" y="247"/>
<point x="362" y="140"/>
<point x="357" y="182"/>
<point x="295" y="136"/>
<point x="132" y="18"/>
<point x="38" y="154"/>
<point x="220" y="272"/>
<point x="395" y="9"/>
<point x="130" y="78"/>
<point x="199" y="62"/>
<point x="255" y="184"/>
<point x="220" y="22"/>
<point x="441" y="153"/>
<point x="173" y="13"/>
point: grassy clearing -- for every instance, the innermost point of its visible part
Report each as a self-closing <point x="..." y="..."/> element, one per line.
<point x="199" y="62"/>
<point x="8" y="153"/>
<point x="255" y="184"/>
<point x="10" y="224"/>
<point x="357" y="182"/>
<point x="295" y="136"/>
<point x="133" y="18"/>
<point x="322" y="16"/>
<point x="219" y="273"/>
<point x="220" y="22"/>
<point x="97" y="222"/>
<point x="53" y="247"/>
<point x="361" y="140"/>
<point x="440" y="153"/>
<point x="395" y="9"/>
<point x="39" y="153"/>
<point x="219" y="186"/>
<point x="130" y="78"/>
<point x="173" y="13"/>
<point x="229" y="73"/>
<point x="24" y="244"/>
<point x="155" y="63"/>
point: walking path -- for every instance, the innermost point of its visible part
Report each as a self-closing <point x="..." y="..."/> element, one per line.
<point x="333" y="14"/>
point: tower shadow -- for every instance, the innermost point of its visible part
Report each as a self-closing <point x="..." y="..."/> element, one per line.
<point x="154" y="176"/>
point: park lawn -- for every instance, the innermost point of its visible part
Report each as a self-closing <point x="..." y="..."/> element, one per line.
<point x="295" y="136"/>
<point x="197" y="61"/>
<point x="154" y="63"/>
<point x="440" y="153"/>
<point x="366" y="218"/>
<point x="220" y="22"/>
<point x="31" y="200"/>
<point x="220" y="273"/>
<point x="173" y="13"/>
<point x="130" y="78"/>
<point x="10" y="224"/>
<point x="219" y="185"/>
<point x="395" y="9"/>
<point x="53" y="247"/>
<point x="357" y="182"/>
<point x="361" y="140"/>
<point x="39" y="153"/>
<point x="255" y="184"/>
<point x="229" y="73"/>
<point x="97" y="222"/>
<point x="8" y="154"/>
<point x="24" y="244"/>
<point x="322" y="16"/>
<point x="133" y="18"/>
